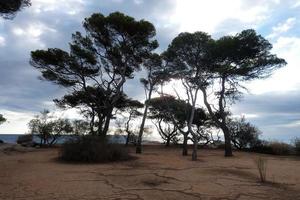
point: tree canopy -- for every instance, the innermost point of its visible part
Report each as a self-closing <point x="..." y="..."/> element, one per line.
<point x="99" y="63"/>
<point x="9" y="8"/>
<point x="222" y="64"/>
<point x="2" y="119"/>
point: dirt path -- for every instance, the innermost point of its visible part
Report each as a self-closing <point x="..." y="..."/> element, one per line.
<point x="159" y="173"/>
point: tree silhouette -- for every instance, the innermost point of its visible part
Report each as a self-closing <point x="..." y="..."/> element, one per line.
<point x="177" y="112"/>
<point x="243" y="134"/>
<point x="98" y="63"/>
<point x="132" y="109"/>
<point x="202" y="63"/>
<point x="2" y="119"/>
<point x="168" y="109"/>
<point x="49" y="129"/>
<point x="187" y="55"/>
<point x="9" y="8"/>
<point x="155" y="76"/>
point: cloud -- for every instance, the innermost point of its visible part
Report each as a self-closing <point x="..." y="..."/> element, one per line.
<point x="282" y="27"/>
<point x="276" y="114"/>
<point x="296" y="4"/>
<point x="50" y="23"/>
<point x="2" y="41"/>
<point x="194" y="15"/>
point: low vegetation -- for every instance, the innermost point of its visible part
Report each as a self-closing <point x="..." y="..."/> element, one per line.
<point x="92" y="149"/>
<point x="297" y="145"/>
<point x="261" y="164"/>
<point x="273" y="147"/>
<point x="25" y="140"/>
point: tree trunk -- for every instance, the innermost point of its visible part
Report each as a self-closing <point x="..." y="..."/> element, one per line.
<point x="127" y="139"/>
<point x="140" y="137"/>
<point x="184" y="145"/>
<point x="194" y="154"/>
<point x="225" y="130"/>
<point x="227" y="137"/>
<point x="106" y="124"/>
<point x="168" y="141"/>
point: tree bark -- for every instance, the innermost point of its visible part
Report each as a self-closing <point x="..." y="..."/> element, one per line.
<point x="222" y="125"/>
<point x="195" y="148"/>
<point x="168" y="141"/>
<point x="140" y="137"/>
<point x="227" y="137"/>
<point x="185" y="145"/>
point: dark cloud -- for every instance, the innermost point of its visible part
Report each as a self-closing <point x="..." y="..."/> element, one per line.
<point x="50" y="24"/>
<point x="276" y="114"/>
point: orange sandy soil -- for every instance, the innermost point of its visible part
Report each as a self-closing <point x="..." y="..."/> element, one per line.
<point x="159" y="173"/>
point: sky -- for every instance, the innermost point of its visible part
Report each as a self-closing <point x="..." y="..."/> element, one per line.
<point x="272" y="104"/>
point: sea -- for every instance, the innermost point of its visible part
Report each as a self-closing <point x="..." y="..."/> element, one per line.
<point x="12" y="138"/>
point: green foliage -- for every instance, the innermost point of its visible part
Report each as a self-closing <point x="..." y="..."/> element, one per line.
<point x="92" y="149"/>
<point x="9" y="8"/>
<point x="203" y="63"/>
<point x="243" y="134"/>
<point x="98" y="64"/>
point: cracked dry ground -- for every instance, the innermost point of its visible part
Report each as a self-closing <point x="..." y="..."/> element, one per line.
<point x="159" y="173"/>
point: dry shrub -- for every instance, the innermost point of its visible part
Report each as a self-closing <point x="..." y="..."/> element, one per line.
<point x="297" y="145"/>
<point x="26" y="138"/>
<point x="274" y="147"/>
<point x="261" y="164"/>
<point x="92" y="149"/>
<point x="280" y="148"/>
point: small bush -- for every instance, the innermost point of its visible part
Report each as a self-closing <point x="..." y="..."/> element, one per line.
<point x="280" y="148"/>
<point x="297" y="145"/>
<point x="25" y="139"/>
<point x="261" y="164"/>
<point x="275" y="148"/>
<point x="92" y="149"/>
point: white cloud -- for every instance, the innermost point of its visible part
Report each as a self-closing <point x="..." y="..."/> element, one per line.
<point x="70" y="7"/>
<point x="296" y="4"/>
<point x="282" y="27"/>
<point x="16" y="122"/>
<point x="294" y="124"/>
<point x="2" y="41"/>
<point x="286" y="78"/>
<point x="33" y="31"/>
<point x="194" y="15"/>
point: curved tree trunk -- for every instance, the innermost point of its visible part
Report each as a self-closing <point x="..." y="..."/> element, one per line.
<point x="221" y="124"/>
<point x="140" y="137"/>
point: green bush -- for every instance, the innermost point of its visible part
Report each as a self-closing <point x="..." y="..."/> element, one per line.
<point x="92" y="149"/>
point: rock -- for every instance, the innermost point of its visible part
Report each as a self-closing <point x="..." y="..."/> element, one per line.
<point x="1" y="141"/>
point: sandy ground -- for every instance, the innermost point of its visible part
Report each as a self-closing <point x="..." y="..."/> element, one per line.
<point x="159" y="173"/>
